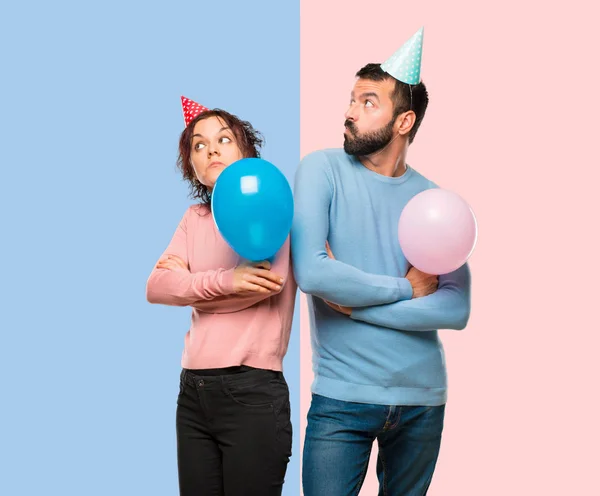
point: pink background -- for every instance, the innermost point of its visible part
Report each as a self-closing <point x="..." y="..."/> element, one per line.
<point x="512" y="127"/>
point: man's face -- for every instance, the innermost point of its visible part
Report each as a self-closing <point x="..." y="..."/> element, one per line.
<point x="369" y="118"/>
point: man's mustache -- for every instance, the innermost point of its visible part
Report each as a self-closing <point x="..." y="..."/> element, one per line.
<point x="350" y="126"/>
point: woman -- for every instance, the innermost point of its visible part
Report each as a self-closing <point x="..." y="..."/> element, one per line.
<point x="234" y="434"/>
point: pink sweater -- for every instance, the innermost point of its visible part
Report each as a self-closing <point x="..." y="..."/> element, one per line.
<point x="226" y="329"/>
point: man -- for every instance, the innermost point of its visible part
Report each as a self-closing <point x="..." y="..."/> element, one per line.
<point x="378" y="363"/>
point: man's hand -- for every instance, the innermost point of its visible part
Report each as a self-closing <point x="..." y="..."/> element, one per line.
<point x="172" y="262"/>
<point x="329" y="252"/>
<point x="423" y="284"/>
<point x="338" y="308"/>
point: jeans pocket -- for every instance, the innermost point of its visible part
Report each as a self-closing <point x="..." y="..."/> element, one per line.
<point x="281" y="394"/>
<point x="282" y="410"/>
<point x="254" y="394"/>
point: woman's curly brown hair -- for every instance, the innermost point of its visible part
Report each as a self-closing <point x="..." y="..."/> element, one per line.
<point x="248" y="139"/>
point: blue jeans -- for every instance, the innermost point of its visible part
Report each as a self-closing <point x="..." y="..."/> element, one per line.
<point x="338" y="443"/>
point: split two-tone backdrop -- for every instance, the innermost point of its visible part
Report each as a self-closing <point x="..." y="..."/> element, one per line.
<point x="89" y="194"/>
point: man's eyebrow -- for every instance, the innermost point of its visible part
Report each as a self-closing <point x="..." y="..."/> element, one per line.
<point x="370" y="94"/>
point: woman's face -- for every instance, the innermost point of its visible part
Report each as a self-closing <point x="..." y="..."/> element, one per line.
<point x="213" y="148"/>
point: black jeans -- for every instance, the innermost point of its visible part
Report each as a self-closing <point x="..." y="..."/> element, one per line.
<point x="234" y="435"/>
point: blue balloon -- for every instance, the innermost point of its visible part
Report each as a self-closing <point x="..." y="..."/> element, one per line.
<point x="253" y="208"/>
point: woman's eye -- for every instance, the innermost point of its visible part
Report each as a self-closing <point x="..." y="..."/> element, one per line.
<point x="225" y="139"/>
<point x="199" y="146"/>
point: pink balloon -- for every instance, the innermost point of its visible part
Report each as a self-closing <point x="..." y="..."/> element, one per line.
<point x="437" y="231"/>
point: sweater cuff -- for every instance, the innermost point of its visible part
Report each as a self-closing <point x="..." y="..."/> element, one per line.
<point x="226" y="281"/>
<point x="406" y="289"/>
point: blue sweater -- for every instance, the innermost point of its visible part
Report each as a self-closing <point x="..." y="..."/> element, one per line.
<point x="388" y="351"/>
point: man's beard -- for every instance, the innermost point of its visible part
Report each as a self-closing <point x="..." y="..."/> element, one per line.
<point x="368" y="143"/>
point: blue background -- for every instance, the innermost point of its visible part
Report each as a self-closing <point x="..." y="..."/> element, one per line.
<point x="90" y="118"/>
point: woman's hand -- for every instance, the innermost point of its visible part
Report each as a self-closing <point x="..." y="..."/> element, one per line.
<point x="172" y="262"/>
<point x="252" y="278"/>
<point x="247" y="278"/>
